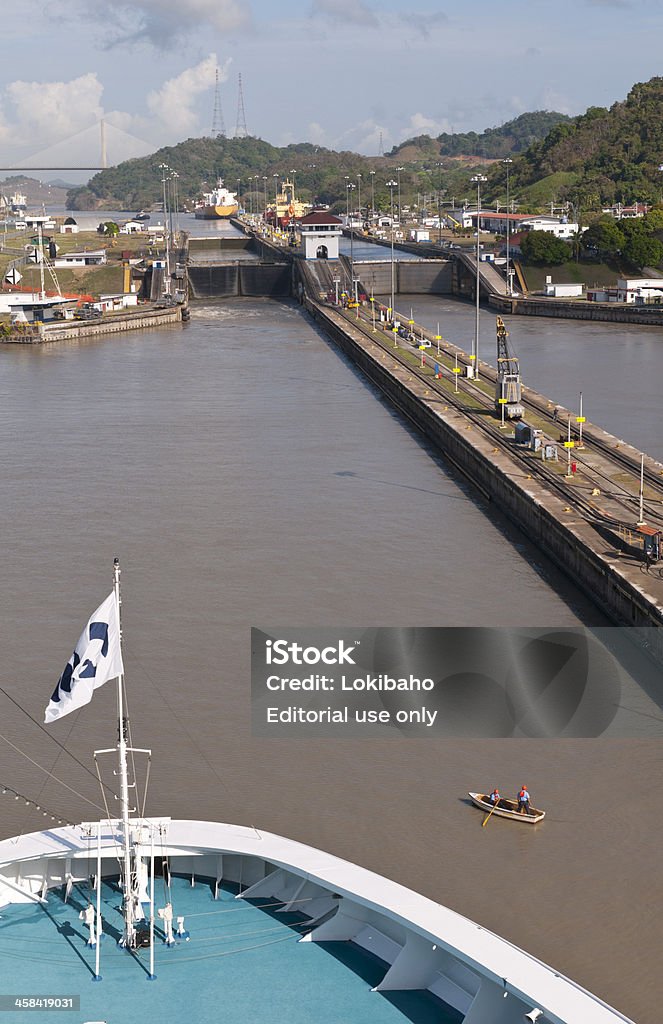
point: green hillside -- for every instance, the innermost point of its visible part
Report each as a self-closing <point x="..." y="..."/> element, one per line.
<point x="493" y="143"/>
<point x="603" y="156"/>
<point x="133" y="184"/>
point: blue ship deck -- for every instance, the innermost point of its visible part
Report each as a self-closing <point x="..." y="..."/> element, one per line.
<point x="242" y="964"/>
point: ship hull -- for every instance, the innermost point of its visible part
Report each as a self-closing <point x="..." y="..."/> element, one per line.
<point x="215" y="212"/>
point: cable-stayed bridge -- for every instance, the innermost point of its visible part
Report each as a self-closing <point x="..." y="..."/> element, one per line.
<point x="99" y="144"/>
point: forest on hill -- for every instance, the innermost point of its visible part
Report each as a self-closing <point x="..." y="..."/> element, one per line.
<point x="603" y="156"/>
<point x="492" y="144"/>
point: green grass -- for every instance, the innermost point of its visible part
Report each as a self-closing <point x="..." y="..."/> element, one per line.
<point x="542" y="192"/>
<point x="94" y="281"/>
<point x="585" y="272"/>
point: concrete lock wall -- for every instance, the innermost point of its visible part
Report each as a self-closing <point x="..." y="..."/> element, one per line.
<point x="410" y="277"/>
<point x="221" y="243"/>
<point x="220" y="281"/>
<point x="273" y="280"/>
<point x="424" y="278"/>
<point x="570" y="544"/>
<point x="233" y="279"/>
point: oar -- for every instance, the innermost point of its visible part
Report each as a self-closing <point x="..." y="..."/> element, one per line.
<point x="485" y="820"/>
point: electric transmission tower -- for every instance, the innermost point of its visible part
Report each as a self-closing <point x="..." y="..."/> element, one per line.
<point x="218" y="127"/>
<point x="380" y="147"/>
<point x="240" y="127"/>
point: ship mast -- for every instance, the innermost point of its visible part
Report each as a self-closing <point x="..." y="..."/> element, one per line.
<point x="128" y="900"/>
<point x="130" y="888"/>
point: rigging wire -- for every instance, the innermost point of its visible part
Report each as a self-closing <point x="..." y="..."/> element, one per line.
<point x="44" y="810"/>
<point x="50" y="774"/>
<point x="57" y="758"/>
<point x="183" y="727"/>
<point x="50" y="735"/>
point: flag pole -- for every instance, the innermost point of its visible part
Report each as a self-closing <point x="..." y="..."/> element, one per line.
<point x="128" y="938"/>
<point x="97" y="952"/>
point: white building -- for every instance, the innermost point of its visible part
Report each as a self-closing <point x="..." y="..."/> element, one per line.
<point x="563" y="291"/>
<point x="620" y="212"/>
<point x="93" y="258"/>
<point x="560" y="228"/>
<point x="69" y="227"/>
<point x="132" y="227"/>
<point x="320" y="233"/>
<point x="640" y="290"/>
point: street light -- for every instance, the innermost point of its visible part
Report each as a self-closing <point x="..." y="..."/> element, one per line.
<point x="276" y="202"/>
<point x="507" y="162"/>
<point x="350" y="188"/>
<point x="359" y="193"/>
<point x="391" y="185"/>
<point x="264" y="181"/>
<point x="398" y="172"/>
<point x="372" y="174"/>
<point x="439" y="198"/>
<point x="166" y="286"/>
<point x="478" y="178"/>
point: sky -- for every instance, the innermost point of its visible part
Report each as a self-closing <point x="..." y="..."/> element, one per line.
<point x="338" y="73"/>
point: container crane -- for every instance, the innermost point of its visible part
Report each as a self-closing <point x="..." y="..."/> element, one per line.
<point x="507" y="385"/>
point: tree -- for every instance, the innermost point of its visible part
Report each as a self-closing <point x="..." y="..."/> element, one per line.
<point x="654" y="219"/>
<point x="643" y="250"/>
<point x="543" y="247"/>
<point x="606" y="237"/>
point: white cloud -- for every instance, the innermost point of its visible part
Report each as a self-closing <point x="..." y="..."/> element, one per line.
<point x="316" y="133"/>
<point x="552" y="100"/>
<point x="342" y="12"/>
<point x="173" y="102"/>
<point x="363" y="138"/>
<point x="422" y="125"/>
<point x="51" y="110"/>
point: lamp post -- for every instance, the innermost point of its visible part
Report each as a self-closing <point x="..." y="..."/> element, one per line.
<point x="398" y="173"/>
<point x="641" y="503"/>
<point x="478" y="178"/>
<point x="175" y="204"/>
<point x="276" y="202"/>
<point x="350" y="188"/>
<point x="359" y="193"/>
<point x="507" y="163"/>
<point x="372" y="174"/>
<point x="391" y="185"/>
<point x="264" y="181"/>
<point x="166" y="286"/>
<point x="439" y="201"/>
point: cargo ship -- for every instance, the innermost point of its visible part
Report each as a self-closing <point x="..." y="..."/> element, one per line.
<point x="286" y="206"/>
<point x="217" y="204"/>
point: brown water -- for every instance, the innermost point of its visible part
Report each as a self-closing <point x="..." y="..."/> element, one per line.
<point x="246" y="475"/>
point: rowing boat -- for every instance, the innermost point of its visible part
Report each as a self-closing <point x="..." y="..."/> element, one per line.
<point x="507" y="809"/>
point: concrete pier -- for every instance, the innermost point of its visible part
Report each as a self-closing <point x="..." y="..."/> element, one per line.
<point x="614" y="583"/>
<point x="63" y="330"/>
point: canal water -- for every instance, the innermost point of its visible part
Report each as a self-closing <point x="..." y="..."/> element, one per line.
<point x="246" y="475"/>
<point x="617" y="367"/>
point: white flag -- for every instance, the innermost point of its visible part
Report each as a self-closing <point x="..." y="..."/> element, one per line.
<point x="97" y="659"/>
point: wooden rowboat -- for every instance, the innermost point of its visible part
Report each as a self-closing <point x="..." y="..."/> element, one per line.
<point x="506" y="809"/>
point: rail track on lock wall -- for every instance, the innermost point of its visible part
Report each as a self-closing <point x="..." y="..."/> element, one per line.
<point x="477" y="406"/>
